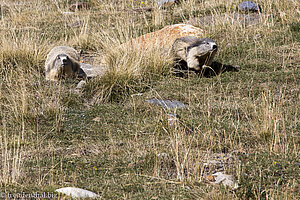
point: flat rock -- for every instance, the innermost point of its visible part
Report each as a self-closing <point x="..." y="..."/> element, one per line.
<point x="166" y="103"/>
<point x="90" y="71"/>
<point x="249" y="6"/>
<point x="77" y="192"/>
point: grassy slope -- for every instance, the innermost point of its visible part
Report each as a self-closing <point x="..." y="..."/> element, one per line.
<point x="50" y="138"/>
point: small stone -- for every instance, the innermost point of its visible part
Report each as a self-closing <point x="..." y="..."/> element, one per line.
<point x="77" y="192"/>
<point x="166" y="103"/>
<point x="219" y="166"/>
<point x="165" y="3"/>
<point x="67" y="13"/>
<point x="249" y="6"/>
<point x="137" y="94"/>
<point x="80" y="84"/>
<point x="187" y="187"/>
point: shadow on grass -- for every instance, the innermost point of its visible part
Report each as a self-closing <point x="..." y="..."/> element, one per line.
<point x="215" y="69"/>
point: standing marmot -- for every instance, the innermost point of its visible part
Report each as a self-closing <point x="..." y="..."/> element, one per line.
<point x="62" y="62"/>
<point x="192" y="53"/>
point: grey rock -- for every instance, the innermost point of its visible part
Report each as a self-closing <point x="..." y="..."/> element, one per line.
<point x="165" y="3"/>
<point x="77" y="192"/>
<point x="89" y="71"/>
<point x="249" y="6"/>
<point x="169" y="104"/>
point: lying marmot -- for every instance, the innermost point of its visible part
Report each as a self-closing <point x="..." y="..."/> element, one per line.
<point x="62" y="62"/>
<point x="192" y="53"/>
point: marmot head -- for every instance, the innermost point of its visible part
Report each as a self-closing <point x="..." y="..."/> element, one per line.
<point x="201" y="53"/>
<point x="63" y="64"/>
<point x="62" y="60"/>
<point x="203" y="45"/>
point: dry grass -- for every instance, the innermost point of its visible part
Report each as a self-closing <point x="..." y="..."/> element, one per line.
<point x="50" y="136"/>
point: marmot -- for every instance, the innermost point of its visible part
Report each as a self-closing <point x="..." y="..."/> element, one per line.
<point x="62" y="62"/>
<point x="192" y="53"/>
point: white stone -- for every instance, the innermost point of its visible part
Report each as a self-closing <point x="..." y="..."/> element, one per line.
<point x="77" y="192"/>
<point x="163" y="155"/>
<point x="226" y="180"/>
<point x="68" y="13"/>
<point x="80" y="84"/>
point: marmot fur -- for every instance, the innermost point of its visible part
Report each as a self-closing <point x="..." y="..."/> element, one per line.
<point x="62" y="62"/>
<point x="192" y="53"/>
